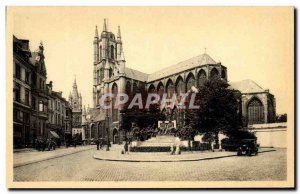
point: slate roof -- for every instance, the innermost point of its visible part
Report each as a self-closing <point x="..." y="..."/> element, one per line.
<point x="137" y="75"/>
<point x="199" y="60"/>
<point x="246" y="86"/>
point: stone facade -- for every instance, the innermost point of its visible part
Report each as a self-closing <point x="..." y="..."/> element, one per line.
<point x="112" y="76"/>
<point x="75" y="100"/>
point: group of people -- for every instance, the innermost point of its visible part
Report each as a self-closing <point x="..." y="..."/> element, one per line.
<point x="42" y="144"/>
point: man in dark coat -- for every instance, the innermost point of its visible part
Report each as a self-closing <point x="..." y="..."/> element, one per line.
<point x="97" y="143"/>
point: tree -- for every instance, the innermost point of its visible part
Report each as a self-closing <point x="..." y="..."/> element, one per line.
<point x="219" y="110"/>
<point x="142" y="117"/>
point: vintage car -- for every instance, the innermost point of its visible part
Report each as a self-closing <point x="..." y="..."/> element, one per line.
<point x="248" y="147"/>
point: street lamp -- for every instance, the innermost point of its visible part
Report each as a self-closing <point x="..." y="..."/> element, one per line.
<point x="121" y="127"/>
<point x="91" y="130"/>
<point x="107" y="130"/>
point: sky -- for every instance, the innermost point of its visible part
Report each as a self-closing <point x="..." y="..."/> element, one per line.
<point x="252" y="42"/>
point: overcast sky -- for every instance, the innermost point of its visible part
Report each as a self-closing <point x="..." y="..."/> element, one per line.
<point x="254" y="43"/>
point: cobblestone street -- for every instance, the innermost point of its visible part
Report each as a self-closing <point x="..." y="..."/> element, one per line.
<point x="82" y="166"/>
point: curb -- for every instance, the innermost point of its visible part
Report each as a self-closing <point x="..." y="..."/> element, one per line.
<point x="179" y="160"/>
<point x="52" y="157"/>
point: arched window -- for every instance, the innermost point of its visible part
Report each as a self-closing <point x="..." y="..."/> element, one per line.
<point x="128" y="88"/>
<point x="214" y="74"/>
<point x="110" y="72"/>
<point x="223" y="74"/>
<point x="160" y="89"/>
<point x="190" y="81"/>
<point x="114" y="109"/>
<point x="170" y="88"/>
<point x="100" y="53"/>
<point x="101" y="74"/>
<point x="201" y="77"/>
<point x="134" y="88"/>
<point x="179" y="86"/>
<point x="151" y="89"/>
<point x="112" y="51"/>
<point x="255" y="111"/>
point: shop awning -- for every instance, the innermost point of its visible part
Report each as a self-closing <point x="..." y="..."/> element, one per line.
<point x="54" y="134"/>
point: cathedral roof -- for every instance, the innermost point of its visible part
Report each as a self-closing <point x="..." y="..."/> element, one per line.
<point x="246" y="86"/>
<point x="137" y="75"/>
<point x="203" y="59"/>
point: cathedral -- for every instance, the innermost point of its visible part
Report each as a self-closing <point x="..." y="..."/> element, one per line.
<point x="112" y="76"/>
<point x="75" y="101"/>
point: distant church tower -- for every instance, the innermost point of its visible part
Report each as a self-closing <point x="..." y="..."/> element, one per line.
<point x="109" y="62"/>
<point x="75" y="100"/>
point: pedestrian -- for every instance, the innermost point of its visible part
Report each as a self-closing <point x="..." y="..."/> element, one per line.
<point x="97" y="143"/>
<point x="126" y="147"/>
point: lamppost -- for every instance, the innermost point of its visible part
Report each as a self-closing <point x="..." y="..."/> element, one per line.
<point x="107" y="130"/>
<point x="91" y="125"/>
<point x="121" y="127"/>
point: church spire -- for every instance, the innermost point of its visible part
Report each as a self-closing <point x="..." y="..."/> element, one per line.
<point x="75" y="84"/>
<point x="119" y="34"/>
<point x="96" y="32"/>
<point x="104" y="26"/>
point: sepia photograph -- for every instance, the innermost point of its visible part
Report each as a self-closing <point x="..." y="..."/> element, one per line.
<point x="150" y="97"/>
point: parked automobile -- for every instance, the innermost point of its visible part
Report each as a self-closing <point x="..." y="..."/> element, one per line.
<point x="248" y="147"/>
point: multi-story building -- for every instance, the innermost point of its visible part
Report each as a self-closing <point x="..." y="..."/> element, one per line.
<point x="38" y="111"/>
<point x="57" y="113"/>
<point x="22" y="133"/>
<point x="112" y="76"/>
<point x="40" y="94"/>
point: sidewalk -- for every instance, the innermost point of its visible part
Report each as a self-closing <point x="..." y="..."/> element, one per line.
<point x="25" y="157"/>
<point x="115" y="155"/>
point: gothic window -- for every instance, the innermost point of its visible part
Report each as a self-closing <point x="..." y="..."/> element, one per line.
<point x="160" y="89"/>
<point x="214" y="73"/>
<point x="201" y="77"/>
<point x="101" y="74"/>
<point x="179" y="86"/>
<point x="255" y="111"/>
<point x="112" y="52"/>
<point x="190" y="81"/>
<point x="223" y="74"/>
<point x="134" y="88"/>
<point x="100" y="53"/>
<point x="170" y="88"/>
<point x="128" y="88"/>
<point x="110" y="72"/>
<point x="151" y="89"/>
<point x="114" y="109"/>
<point x="98" y="78"/>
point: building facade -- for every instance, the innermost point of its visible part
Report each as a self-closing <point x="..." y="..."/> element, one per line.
<point x="75" y="100"/>
<point x="22" y="73"/>
<point x="112" y="76"/>
<point x="38" y="111"/>
<point x="57" y="114"/>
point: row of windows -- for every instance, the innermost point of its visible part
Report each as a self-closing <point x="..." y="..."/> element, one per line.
<point x="18" y="74"/>
<point x="21" y="95"/>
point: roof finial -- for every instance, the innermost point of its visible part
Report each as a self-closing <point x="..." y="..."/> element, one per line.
<point x="104" y="26"/>
<point x="204" y="50"/>
<point x="107" y="24"/>
<point x="119" y="33"/>
<point x="96" y="32"/>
